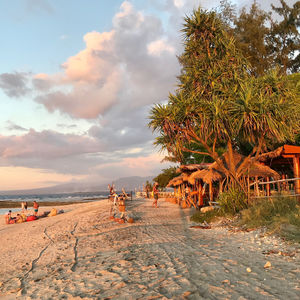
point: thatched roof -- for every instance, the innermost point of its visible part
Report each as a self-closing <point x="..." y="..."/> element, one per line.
<point x="210" y="172"/>
<point x="183" y="177"/>
<point x="207" y="176"/>
<point x="175" y="181"/>
<point x="259" y="170"/>
<point x="192" y="167"/>
<point x="214" y="172"/>
<point x="285" y="151"/>
<point x="270" y="155"/>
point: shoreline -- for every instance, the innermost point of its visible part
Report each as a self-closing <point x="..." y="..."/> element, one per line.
<point x="83" y="254"/>
<point x="7" y="204"/>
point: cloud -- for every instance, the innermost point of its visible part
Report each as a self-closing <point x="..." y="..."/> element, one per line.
<point x="15" y="84"/>
<point x="14" y="127"/>
<point x="46" y="145"/>
<point x="156" y="48"/>
<point x="77" y="155"/>
<point x="39" y="5"/>
<point x="130" y="66"/>
<point x="112" y="82"/>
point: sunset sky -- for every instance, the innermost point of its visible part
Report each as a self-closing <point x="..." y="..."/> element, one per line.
<point x="77" y="80"/>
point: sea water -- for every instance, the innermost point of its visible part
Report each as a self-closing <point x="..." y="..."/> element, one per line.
<point x="64" y="197"/>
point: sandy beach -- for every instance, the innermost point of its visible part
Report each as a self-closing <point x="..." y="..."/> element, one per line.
<point x="82" y="254"/>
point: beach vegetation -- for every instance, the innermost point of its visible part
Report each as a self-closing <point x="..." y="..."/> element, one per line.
<point x="232" y="201"/>
<point x="219" y="104"/>
<point x="208" y="217"/>
<point x="279" y="215"/>
<point x="268" y="39"/>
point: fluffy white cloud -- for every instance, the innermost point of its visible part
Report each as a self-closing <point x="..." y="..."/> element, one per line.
<point x="156" y="48"/>
<point x="131" y="66"/>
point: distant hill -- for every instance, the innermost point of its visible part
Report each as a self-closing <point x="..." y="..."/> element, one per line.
<point x="128" y="183"/>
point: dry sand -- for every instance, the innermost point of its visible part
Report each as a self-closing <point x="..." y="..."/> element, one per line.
<point x="81" y="254"/>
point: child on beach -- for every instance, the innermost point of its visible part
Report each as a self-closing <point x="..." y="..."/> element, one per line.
<point x="155" y="194"/>
<point x="8" y="217"/>
<point x="35" y="207"/>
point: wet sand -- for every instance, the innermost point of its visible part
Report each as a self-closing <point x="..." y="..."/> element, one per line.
<point x="82" y="254"/>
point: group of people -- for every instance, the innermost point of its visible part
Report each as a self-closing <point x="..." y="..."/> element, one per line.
<point x="117" y="203"/>
<point x="21" y="217"/>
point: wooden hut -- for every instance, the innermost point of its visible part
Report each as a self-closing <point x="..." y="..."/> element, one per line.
<point x="185" y="182"/>
<point x="286" y="161"/>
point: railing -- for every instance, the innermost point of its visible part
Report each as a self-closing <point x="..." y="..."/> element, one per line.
<point x="291" y="192"/>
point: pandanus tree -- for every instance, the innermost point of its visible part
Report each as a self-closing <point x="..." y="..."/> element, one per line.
<point x="218" y="102"/>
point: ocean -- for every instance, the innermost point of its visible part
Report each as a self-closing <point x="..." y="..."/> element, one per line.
<point x="64" y="197"/>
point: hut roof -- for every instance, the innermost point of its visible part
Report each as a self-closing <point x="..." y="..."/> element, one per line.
<point x="259" y="170"/>
<point x="175" y="181"/>
<point x="285" y="151"/>
<point x="255" y="168"/>
<point x="178" y="180"/>
<point x="192" y="167"/>
<point x="270" y="155"/>
<point x="210" y="172"/>
<point x="207" y="175"/>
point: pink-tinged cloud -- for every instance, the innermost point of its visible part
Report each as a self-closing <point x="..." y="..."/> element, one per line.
<point x="95" y="63"/>
<point x="84" y="100"/>
<point x="46" y="145"/>
<point x="130" y="66"/>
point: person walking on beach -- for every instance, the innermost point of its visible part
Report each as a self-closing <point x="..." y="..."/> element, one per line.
<point x="155" y="194"/>
<point x="35" y="207"/>
<point x="25" y="205"/>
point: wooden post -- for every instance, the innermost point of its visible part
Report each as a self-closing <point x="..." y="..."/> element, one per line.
<point x="268" y="187"/>
<point x="297" y="175"/>
<point x="248" y="188"/>
<point x="256" y="186"/>
<point x="210" y="193"/>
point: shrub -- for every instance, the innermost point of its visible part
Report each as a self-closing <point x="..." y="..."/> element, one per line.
<point x="278" y="214"/>
<point x="208" y="216"/>
<point x="232" y="201"/>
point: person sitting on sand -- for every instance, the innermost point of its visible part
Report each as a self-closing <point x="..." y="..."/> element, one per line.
<point x="8" y="217"/>
<point x="35" y="207"/>
<point x="155" y="194"/>
<point x="19" y="219"/>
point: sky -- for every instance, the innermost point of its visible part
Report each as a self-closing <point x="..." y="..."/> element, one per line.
<point x="77" y="81"/>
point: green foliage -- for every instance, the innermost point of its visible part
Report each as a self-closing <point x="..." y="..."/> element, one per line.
<point x="232" y="201"/>
<point x="266" y="39"/>
<point x="219" y="103"/>
<point x="280" y="215"/>
<point x="166" y="175"/>
<point x="284" y="39"/>
<point x="208" y="217"/>
<point x="250" y="32"/>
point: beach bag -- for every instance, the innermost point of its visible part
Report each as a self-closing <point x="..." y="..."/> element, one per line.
<point x="53" y="212"/>
<point x="31" y="218"/>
